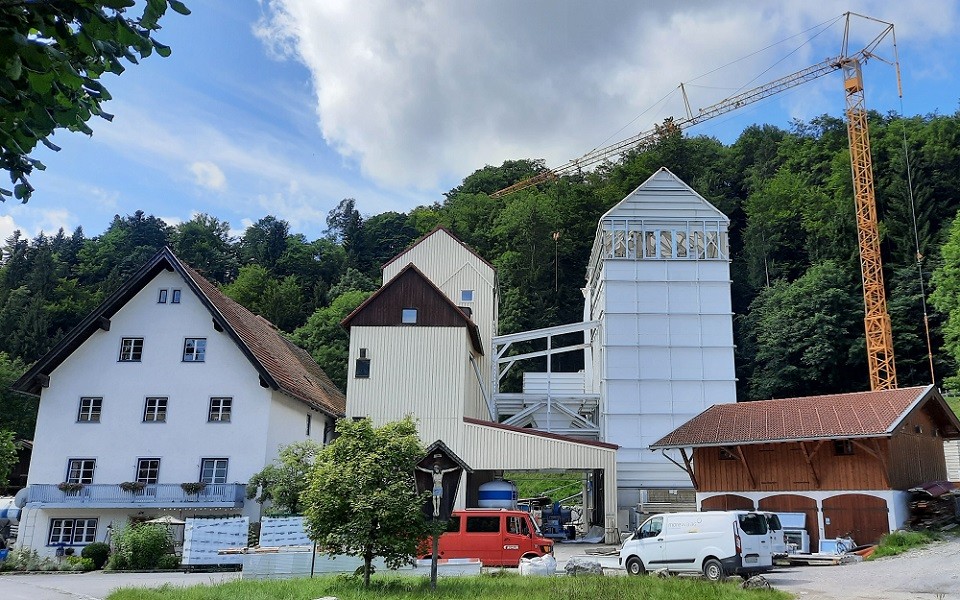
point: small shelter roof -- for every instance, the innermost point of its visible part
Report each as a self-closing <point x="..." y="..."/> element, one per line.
<point x="853" y="415"/>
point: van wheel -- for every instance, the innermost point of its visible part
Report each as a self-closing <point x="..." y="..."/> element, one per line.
<point x="635" y="566"/>
<point x="713" y="569"/>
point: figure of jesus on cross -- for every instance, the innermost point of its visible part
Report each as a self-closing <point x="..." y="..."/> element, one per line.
<point x="437" y="473"/>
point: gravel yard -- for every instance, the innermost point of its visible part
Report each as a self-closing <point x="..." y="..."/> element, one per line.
<point x="932" y="572"/>
<point x="929" y="572"/>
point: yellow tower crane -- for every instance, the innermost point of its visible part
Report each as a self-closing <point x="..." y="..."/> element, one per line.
<point x="880" y="361"/>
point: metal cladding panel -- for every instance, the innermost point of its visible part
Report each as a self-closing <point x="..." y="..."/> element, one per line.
<point x="665" y="195"/>
<point x="419" y="371"/>
<point x="491" y="448"/>
<point x="951" y="451"/>
<point x="453" y="268"/>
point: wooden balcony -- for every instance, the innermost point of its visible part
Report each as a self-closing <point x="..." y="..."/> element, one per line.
<point x="160" y="495"/>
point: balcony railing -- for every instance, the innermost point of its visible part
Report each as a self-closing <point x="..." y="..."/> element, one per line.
<point x="159" y="495"/>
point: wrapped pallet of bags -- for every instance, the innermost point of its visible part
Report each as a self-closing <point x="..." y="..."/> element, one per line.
<point x="540" y="565"/>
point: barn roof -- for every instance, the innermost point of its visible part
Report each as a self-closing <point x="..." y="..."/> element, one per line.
<point x="853" y="415"/>
<point x="281" y="364"/>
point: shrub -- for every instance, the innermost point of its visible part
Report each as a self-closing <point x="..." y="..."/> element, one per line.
<point x="77" y="563"/>
<point x="25" y="559"/>
<point x="899" y="542"/>
<point x="169" y="561"/>
<point x="98" y="552"/>
<point x="117" y="562"/>
<point x="142" y="545"/>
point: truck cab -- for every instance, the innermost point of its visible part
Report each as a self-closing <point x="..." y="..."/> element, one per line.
<point x="498" y="537"/>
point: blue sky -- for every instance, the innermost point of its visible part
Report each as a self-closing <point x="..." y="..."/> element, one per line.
<point x="285" y="107"/>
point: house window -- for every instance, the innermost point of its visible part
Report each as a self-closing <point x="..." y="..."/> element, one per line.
<point x="409" y="316"/>
<point x="70" y="532"/>
<point x="362" y="369"/>
<point x="213" y="470"/>
<point x="308" y="424"/>
<point x="155" y="410"/>
<point x="131" y="349"/>
<point x="175" y="297"/>
<point x="466" y="295"/>
<point x="728" y="454"/>
<point x="194" y="349"/>
<point x="162" y="299"/>
<point x="148" y="470"/>
<point x="843" y="447"/>
<point x="89" y="410"/>
<point x="219" y="410"/>
<point x="80" y="470"/>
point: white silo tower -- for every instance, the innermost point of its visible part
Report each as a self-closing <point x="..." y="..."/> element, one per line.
<point x="658" y="281"/>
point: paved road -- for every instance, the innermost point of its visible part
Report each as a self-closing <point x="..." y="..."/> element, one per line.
<point x="96" y="585"/>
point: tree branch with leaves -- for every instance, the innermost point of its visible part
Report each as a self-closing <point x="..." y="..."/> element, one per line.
<point x="52" y="56"/>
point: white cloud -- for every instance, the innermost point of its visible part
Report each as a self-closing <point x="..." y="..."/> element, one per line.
<point x="423" y="93"/>
<point x="7" y="227"/>
<point x="208" y="175"/>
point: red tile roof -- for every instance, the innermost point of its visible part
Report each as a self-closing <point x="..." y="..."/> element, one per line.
<point x="859" y="414"/>
<point x="291" y="367"/>
<point x="281" y="365"/>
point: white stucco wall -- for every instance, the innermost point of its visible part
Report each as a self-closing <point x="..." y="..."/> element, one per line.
<point x="261" y="420"/>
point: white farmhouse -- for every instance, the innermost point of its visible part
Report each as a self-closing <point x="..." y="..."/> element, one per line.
<point x="168" y="382"/>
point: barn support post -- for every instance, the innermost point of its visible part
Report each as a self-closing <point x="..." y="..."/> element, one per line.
<point x="743" y="461"/>
<point x="877" y="454"/>
<point x="686" y="466"/>
<point x="808" y="457"/>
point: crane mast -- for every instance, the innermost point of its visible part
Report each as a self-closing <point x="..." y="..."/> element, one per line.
<point x="880" y="361"/>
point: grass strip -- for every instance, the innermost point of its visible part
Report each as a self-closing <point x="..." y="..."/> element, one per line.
<point x="492" y="586"/>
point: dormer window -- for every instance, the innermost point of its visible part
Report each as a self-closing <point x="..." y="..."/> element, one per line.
<point x="409" y="316"/>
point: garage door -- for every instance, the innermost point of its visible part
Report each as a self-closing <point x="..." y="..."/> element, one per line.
<point x="863" y="517"/>
<point x="796" y="504"/>
<point x="727" y="502"/>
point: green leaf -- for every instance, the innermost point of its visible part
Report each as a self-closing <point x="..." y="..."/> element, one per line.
<point x="179" y="7"/>
<point x="14" y="67"/>
<point x="162" y="49"/>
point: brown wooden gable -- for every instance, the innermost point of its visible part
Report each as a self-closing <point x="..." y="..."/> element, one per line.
<point x="411" y="289"/>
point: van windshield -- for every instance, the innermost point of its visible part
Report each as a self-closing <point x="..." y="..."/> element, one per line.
<point x="753" y="523"/>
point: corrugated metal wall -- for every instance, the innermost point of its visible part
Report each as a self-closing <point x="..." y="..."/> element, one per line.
<point x="951" y="450"/>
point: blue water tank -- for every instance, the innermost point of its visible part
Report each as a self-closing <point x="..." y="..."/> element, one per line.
<point x="497" y="494"/>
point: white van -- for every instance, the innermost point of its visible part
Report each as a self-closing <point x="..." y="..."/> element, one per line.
<point x="716" y="544"/>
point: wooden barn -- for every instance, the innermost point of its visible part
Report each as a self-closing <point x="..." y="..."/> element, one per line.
<point x="845" y="460"/>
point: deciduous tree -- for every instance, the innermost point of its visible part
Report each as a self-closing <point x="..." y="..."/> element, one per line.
<point x="282" y="482"/>
<point x="362" y="498"/>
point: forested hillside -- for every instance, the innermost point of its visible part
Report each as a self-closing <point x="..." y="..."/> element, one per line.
<point x="796" y="273"/>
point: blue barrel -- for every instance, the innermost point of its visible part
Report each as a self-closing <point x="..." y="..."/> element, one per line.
<point x="497" y="494"/>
